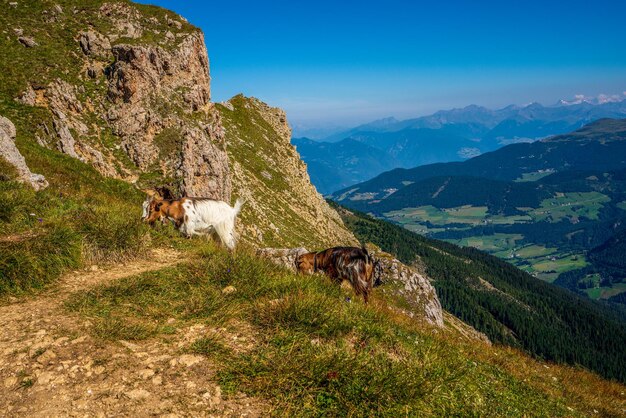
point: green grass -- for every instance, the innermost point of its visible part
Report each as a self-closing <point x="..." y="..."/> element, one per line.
<point x="533" y="251"/>
<point x="491" y="243"/>
<point x="570" y="206"/>
<point x="80" y="218"/>
<point x="417" y="219"/>
<point x="603" y="292"/>
<point x="314" y="354"/>
<point x="534" y="176"/>
<point x="561" y="264"/>
<point x="534" y="259"/>
<point x="31" y="262"/>
<point x="465" y="214"/>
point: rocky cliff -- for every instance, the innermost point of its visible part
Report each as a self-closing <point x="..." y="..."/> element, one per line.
<point x="126" y="88"/>
<point x="122" y="87"/>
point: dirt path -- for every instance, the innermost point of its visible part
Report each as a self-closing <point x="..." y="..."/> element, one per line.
<point x="51" y="366"/>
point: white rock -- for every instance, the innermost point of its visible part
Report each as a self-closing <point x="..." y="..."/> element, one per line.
<point x="190" y="360"/>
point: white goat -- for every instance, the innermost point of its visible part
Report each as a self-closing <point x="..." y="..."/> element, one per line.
<point x="196" y="216"/>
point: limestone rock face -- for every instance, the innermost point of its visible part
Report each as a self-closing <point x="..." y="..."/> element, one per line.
<point x="145" y="78"/>
<point x="140" y="70"/>
<point x="409" y="284"/>
<point x="282" y="256"/>
<point x="10" y="153"/>
<point x="94" y="43"/>
<point x="140" y="109"/>
<point x="205" y="170"/>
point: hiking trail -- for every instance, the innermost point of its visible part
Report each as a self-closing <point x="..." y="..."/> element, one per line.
<point x="50" y="365"/>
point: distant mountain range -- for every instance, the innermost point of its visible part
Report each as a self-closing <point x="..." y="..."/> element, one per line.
<point x="361" y="153"/>
<point x="554" y="207"/>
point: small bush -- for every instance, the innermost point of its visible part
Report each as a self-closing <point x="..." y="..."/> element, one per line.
<point x="210" y="345"/>
<point x="15" y="199"/>
<point x="7" y="171"/>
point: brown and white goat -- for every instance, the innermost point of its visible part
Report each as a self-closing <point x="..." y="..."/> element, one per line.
<point x="342" y="263"/>
<point x="195" y="216"/>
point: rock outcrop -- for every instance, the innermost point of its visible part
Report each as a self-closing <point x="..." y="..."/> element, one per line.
<point x="10" y="153"/>
<point x="144" y="79"/>
<point x="138" y="108"/>
<point x="398" y="280"/>
<point x="94" y="43"/>
<point x="285" y="257"/>
<point x="135" y="105"/>
<point x="411" y="286"/>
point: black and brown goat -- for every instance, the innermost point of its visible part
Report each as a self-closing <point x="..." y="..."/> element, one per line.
<point x="342" y="263"/>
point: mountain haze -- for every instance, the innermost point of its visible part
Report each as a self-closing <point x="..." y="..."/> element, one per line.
<point x="452" y="135"/>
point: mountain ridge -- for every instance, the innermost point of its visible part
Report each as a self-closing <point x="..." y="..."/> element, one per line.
<point x="543" y="206"/>
<point x="452" y="135"/>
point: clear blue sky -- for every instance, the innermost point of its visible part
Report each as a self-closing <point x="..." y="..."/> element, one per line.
<point x="344" y="62"/>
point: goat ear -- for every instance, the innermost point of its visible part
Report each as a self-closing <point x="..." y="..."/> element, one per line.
<point x="165" y="193"/>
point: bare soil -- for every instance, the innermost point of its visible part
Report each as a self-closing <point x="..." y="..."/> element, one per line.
<point x="51" y="366"/>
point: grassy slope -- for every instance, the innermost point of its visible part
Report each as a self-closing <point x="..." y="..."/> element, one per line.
<point x="267" y="169"/>
<point x="82" y="217"/>
<point x="308" y="352"/>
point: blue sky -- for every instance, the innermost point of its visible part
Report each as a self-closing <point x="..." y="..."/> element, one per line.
<point x="337" y="62"/>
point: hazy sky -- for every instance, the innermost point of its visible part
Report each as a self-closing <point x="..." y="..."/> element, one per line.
<point x="345" y="62"/>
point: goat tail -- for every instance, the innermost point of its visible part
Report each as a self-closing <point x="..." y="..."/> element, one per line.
<point x="238" y="204"/>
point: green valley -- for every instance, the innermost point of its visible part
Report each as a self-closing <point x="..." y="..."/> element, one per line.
<point x="543" y="262"/>
<point x="543" y="207"/>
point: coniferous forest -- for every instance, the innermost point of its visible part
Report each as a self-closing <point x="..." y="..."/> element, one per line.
<point x="508" y="305"/>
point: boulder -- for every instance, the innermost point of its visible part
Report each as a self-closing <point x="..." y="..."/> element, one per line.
<point x="10" y="153"/>
<point x="94" y="44"/>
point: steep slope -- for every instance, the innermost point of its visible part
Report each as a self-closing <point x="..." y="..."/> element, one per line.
<point x="508" y="305"/>
<point x="283" y="208"/>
